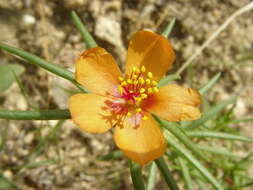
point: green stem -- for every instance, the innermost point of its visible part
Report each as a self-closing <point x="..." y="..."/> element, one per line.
<point x="88" y="39"/>
<point x="166" y="173"/>
<point x="35" y="115"/>
<point x="169" y="28"/>
<point x="136" y="175"/>
<point x="35" y="60"/>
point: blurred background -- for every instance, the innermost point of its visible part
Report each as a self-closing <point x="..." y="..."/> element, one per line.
<point x="33" y="155"/>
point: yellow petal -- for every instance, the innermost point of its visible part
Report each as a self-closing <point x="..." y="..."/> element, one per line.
<point x="97" y="71"/>
<point x="142" y="144"/>
<point x="174" y="103"/>
<point x="89" y="113"/>
<point x="152" y="51"/>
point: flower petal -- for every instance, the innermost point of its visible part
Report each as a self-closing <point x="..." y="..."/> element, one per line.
<point x="175" y="103"/>
<point x="141" y="144"/>
<point x="89" y="112"/>
<point x="151" y="50"/>
<point x="97" y="71"/>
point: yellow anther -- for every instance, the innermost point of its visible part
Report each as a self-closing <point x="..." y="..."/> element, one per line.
<point x="134" y="69"/>
<point x="131" y="91"/>
<point x="129" y="81"/>
<point x="150" y="91"/>
<point x="121" y="79"/>
<point x="135" y="76"/>
<point x="154" y="82"/>
<point x="138" y="110"/>
<point x="129" y="114"/>
<point x="120" y="89"/>
<point x="142" y="90"/>
<point x="130" y="102"/>
<point x="137" y="71"/>
<point x="141" y="80"/>
<point x="150" y="75"/>
<point x="144" y="117"/>
<point x="137" y="99"/>
<point x="135" y="82"/>
<point x="143" y="69"/>
<point x="144" y="96"/>
<point x="155" y="89"/>
<point x="123" y="83"/>
<point x="148" y="81"/>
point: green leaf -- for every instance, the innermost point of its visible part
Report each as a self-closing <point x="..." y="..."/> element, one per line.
<point x="210" y="84"/>
<point x="35" y="115"/>
<point x="136" y="175"/>
<point x="211" y="113"/>
<point x="167" y="79"/>
<point x="166" y="173"/>
<point x="7" y="75"/>
<point x="188" y="156"/>
<point x="169" y="28"/>
<point x="181" y="136"/>
<point x="186" y="174"/>
<point x="219" y="151"/>
<point x="218" y="135"/>
<point x="111" y="156"/>
<point x="33" y="59"/>
<point x="152" y="177"/>
<point x="89" y="41"/>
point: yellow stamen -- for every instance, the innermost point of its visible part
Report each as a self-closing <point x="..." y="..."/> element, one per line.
<point x="148" y="81"/>
<point x="143" y="69"/>
<point x="138" y="110"/>
<point x="144" y="117"/>
<point x="131" y="91"/>
<point x="137" y="71"/>
<point x="129" y="81"/>
<point x="120" y="89"/>
<point x="155" y="89"/>
<point x="150" y="91"/>
<point x="121" y="79"/>
<point x="144" y="96"/>
<point x="136" y="82"/>
<point x="150" y="75"/>
<point x="134" y="69"/>
<point x="123" y="83"/>
<point x="154" y="82"/>
<point x="135" y="76"/>
<point x="141" y="80"/>
<point x="142" y="90"/>
<point x="129" y="114"/>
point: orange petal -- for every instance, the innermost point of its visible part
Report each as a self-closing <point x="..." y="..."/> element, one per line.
<point x="151" y="50"/>
<point x="89" y="113"/>
<point x="175" y="103"/>
<point x="97" y="71"/>
<point x="142" y="144"/>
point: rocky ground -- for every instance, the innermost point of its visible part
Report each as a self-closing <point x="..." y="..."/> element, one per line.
<point x="45" y="28"/>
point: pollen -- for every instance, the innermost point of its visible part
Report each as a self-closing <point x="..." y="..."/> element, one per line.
<point x="135" y="88"/>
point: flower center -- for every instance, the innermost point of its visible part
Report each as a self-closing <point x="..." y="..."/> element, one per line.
<point x="133" y="90"/>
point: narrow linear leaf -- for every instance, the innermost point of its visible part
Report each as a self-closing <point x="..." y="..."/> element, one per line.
<point x="242" y="120"/>
<point x="111" y="156"/>
<point x="218" y="135"/>
<point x="166" y="173"/>
<point x="35" y="115"/>
<point x="7" y="75"/>
<point x="186" y="174"/>
<point x="167" y="79"/>
<point x="210" y="84"/>
<point x="188" y="156"/>
<point x="169" y="28"/>
<point x="89" y="41"/>
<point x="136" y="175"/>
<point x="7" y="184"/>
<point x="182" y="137"/>
<point x="219" y="151"/>
<point x="152" y="177"/>
<point x="35" y="60"/>
<point x="211" y="113"/>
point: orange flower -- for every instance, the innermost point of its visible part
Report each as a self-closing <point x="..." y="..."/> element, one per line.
<point x="127" y="101"/>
